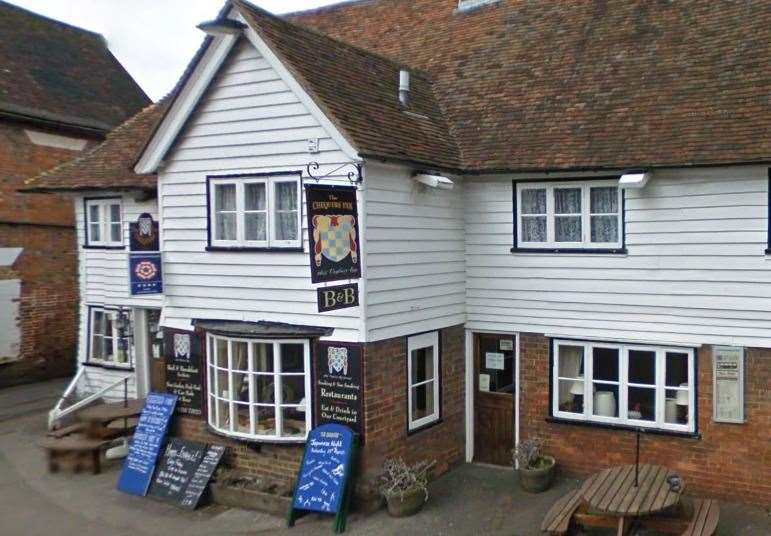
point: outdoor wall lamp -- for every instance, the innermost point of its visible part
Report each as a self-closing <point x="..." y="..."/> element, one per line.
<point x="635" y="179"/>
<point x="434" y="181"/>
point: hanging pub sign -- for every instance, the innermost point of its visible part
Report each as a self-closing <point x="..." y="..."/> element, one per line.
<point x="333" y="232"/>
<point x="145" y="273"/>
<point x="339" y="384"/>
<point x="143" y="234"/>
<point x="183" y="370"/>
<point x="337" y="297"/>
<point x="728" y="384"/>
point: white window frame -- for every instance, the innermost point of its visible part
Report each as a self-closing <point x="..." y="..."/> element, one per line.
<point x="623" y="385"/>
<point x="586" y="231"/>
<point x="214" y="392"/>
<point x="465" y="5"/>
<point x="113" y="313"/>
<point x="417" y="342"/>
<point x="104" y="222"/>
<point x="240" y="183"/>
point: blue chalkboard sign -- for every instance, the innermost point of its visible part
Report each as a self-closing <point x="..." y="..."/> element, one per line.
<point x="147" y="443"/>
<point x="322" y="483"/>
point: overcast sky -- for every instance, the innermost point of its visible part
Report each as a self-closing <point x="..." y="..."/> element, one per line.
<point x="153" y="39"/>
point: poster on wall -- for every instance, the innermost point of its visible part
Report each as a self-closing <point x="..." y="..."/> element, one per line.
<point x="145" y="273"/>
<point x="183" y="355"/>
<point x="728" y="384"/>
<point x="333" y="232"/>
<point x="144" y="234"/>
<point x="339" y="384"/>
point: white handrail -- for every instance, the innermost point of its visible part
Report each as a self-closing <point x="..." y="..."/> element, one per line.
<point x="57" y="413"/>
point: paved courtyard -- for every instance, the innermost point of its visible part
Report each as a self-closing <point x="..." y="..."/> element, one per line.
<point x="472" y="500"/>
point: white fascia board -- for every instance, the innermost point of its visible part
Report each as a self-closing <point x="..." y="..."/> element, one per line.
<point x="296" y="88"/>
<point x="185" y="103"/>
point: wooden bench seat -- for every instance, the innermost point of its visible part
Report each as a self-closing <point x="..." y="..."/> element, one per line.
<point x="557" y="519"/>
<point x="83" y="450"/>
<point x="706" y="514"/>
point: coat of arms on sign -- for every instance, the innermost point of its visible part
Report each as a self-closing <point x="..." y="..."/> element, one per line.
<point x="337" y="360"/>
<point x="335" y="238"/>
<point x="182" y="346"/>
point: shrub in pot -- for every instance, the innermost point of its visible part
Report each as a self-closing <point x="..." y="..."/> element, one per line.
<point x="536" y="470"/>
<point x="405" y="487"/>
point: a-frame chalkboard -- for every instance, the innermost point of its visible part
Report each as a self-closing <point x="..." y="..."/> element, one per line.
<point x="324" y="482"/>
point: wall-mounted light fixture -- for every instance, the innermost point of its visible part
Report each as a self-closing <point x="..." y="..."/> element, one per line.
<point x="634" y="179"/>
<point x="434" y="181"/>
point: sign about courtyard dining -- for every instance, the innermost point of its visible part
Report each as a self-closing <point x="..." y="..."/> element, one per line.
<point x="333" y="232"/>
<point x="338" y="385"/>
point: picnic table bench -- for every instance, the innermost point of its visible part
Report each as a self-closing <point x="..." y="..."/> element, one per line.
<point x="623" y="496"/>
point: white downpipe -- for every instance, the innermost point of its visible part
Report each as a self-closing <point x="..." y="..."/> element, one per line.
<point x="516" y="396"/>
<point x="469" y="396"/>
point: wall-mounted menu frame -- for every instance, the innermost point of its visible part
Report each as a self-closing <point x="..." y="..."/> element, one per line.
<point x="728" y="384"/>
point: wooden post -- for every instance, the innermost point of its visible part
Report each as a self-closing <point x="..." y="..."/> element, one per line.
<point x="637" y="461"/>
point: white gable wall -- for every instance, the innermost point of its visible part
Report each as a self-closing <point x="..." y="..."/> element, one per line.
<point x="248" y="121"/>
<point x="695" y="272"/>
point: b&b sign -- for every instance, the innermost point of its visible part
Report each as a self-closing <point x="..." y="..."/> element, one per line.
<point x="338" y="297"/>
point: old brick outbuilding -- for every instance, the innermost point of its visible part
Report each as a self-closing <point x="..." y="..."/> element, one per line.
<point x="61" y="91"/>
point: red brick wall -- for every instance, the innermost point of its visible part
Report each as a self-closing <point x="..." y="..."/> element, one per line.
<point x="43" y="226"/>
<point x="385" y="408"/>
<point x="730" y="461"/>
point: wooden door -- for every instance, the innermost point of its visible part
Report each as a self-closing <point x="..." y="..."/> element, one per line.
<point x="495" y="376"/>
<point x="154" y="351"/>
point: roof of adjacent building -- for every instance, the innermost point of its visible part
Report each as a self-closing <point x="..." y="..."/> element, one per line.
<point x="553" y="85"/>
<point x="108" y="166"/>
<point x="55" y="73"/>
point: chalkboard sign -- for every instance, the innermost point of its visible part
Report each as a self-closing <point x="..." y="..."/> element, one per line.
<point x="201" y="478"/>
<point x="322" y="483"/>
<point x="183" y="370"/>
<point x="338" y="384"/>
<point x="184" y="472"/>
<point x="146" y="444"/>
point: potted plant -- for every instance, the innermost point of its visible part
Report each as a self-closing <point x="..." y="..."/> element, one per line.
<point x="405" y="487"/>
<point x="536" y="470"/>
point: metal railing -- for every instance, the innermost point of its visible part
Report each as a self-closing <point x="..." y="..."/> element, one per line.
<point x="62" y="410"/>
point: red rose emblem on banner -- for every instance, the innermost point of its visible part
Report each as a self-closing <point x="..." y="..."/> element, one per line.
<point x="145" y="270"/>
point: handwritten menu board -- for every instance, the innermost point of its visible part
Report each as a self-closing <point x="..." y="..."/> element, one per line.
<point x="325" y="469"/>
<point x="148" y="439"/>
<point x="184" y="472"/>
<point x="183" y="370"/>
<point x="338" y="384"/>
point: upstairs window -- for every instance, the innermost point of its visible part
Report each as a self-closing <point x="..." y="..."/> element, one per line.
<point x="569" y="216"/>
<point x="255" y="212"/>
<point x="104" y="227"/>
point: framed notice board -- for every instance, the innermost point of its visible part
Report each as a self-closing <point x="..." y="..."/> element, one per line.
<point x="728" y="384"/>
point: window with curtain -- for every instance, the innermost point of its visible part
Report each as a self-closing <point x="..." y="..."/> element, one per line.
<point x="423" y="379"/>
<point x="107" y="345"/>
<point x="569" y="215"/>
<point x="104" y="227"/>
<point x="639" y="386"/>
<point x="259" y="389"/>
<point x="259" y="212"/>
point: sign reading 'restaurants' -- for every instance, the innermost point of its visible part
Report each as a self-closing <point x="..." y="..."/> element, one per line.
<point x="339" y="384"/>
<point x="333" y="232"/>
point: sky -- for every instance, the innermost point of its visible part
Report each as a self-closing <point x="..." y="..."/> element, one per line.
<point x="153" y="39"/>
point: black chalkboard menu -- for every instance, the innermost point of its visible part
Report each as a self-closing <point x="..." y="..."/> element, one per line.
<point x="184" y="472"/>
<point x="183" y="358"/>
<point x="339" y="385"/>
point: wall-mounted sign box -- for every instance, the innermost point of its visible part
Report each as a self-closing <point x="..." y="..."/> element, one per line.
<point x="339" y="384"/>
<point x="183" y="357"/>
<point x="145" y="273"/>
<point x="728" y="384"/>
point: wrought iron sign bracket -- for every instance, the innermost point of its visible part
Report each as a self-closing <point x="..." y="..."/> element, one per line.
<point x="355" y="177"/>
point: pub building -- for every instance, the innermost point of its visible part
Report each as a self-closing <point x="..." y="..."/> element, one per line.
<point x="427" y="235"/>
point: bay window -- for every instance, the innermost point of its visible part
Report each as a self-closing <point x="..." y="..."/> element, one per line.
<point x="639" y="386"/>
<point x="255" y="212"/>
<point x="423" y="379"/>
<point x="107" y="344"/>
<point x="259" y="389"/>
<point x="574" y="215"/>
<point x="103" y="225"/>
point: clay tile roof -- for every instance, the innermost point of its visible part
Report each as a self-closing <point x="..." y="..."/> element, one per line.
<point x="556" y="84"/>
<point x="55" y="72"/>
<point x="359" y="92"/>
<point x="108" y="166"/>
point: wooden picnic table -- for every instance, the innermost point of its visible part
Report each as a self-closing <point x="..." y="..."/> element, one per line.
<point x="106" y="413"/>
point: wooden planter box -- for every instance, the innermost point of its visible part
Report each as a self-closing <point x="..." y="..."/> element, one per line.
<point x="248" y="499"/>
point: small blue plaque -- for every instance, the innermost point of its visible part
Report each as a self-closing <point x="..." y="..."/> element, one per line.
<point x="145" y="273"/>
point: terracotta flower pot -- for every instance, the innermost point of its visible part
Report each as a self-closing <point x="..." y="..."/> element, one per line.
<point x="539" y="479"/>
<point x="407" y="504"/>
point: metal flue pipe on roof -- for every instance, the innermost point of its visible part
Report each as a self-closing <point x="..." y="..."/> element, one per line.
<point x="404" y="87"/>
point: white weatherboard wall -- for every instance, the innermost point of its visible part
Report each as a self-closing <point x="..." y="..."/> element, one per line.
<point x="104" y="278"/>
<point x="415" y="255"/>
<point x="249" y="121"/>
<point x="695" y="273"/>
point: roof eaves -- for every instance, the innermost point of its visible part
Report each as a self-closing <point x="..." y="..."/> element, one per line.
<point x="43" y="117"/>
